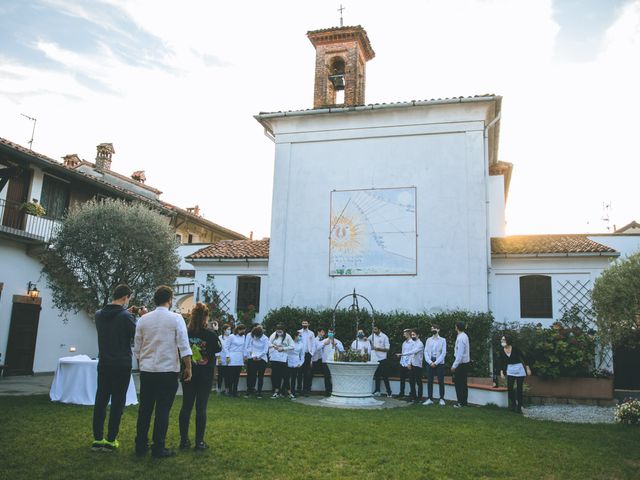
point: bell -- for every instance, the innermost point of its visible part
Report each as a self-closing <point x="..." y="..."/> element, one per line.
<point x="338" y="81"/>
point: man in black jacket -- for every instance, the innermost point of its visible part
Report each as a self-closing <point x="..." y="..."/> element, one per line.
<point x="116" y="328"/>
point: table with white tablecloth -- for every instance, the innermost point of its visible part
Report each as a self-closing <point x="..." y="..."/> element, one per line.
<point x="76" y="381"/>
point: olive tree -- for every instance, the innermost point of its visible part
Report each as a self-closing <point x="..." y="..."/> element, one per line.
<point x="101" y="244"/>
<point x="616" y="300"/>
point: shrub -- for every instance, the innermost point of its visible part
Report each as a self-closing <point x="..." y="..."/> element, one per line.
<point x="393" y="323"/>
<point x="628" y="412"/>
<point x="562" y="350"/>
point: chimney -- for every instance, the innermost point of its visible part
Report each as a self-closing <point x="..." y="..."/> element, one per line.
<point x="71" y="161"/>
<point x="103" y="156"/>
<point x="139" y="176"/>
<point x="251" y="235"/>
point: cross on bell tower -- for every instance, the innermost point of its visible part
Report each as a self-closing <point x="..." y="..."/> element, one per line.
<point x="341" y="55"/>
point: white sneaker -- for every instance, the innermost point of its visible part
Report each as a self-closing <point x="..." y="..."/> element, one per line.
<point x="376" y="394"/>
<point x="275" y="395"/>
<point x="442" y="402"/>
<point x="428" y="402"/>
<point x="292" y="396"/>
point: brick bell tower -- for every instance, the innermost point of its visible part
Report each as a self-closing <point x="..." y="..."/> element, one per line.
<point x="341" y="56"/>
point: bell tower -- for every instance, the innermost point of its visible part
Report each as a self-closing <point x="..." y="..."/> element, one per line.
<point x="341" y="56"/>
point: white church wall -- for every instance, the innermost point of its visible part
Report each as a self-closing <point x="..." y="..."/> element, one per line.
<point x="497" y="221"/>
<point x="224" y="276"/>
<point x="56" y="333"/>
<point x="382" y="149"/>
<point x="505" y="276"/>
<point x="625" y="244"/>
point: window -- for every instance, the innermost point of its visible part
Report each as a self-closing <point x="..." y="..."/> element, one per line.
<point x="54" y="197"/>
<point x="178" y="238"/>
<point x="535" y="297"/>
<point x="190" y="240"/>
<point x="248" y="293"/>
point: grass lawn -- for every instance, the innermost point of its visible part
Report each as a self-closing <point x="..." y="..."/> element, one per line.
<point x="281" y="439"/>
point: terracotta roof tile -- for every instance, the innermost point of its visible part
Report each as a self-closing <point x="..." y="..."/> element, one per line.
<point x="548" y="244"/>
<point x="234" y="249"/>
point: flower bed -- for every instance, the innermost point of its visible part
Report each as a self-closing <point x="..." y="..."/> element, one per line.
<point x="628" y="412"/>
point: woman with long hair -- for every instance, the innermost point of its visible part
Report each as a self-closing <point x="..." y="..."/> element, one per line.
<point x="515" y="366"/>
<point x="279" y="344"/>
<point x="235" y="357"/>
<point x="204" y="345"/>
<point x="256" y="350"/>
<point x="221" y="360"/>
<point x="295" y="360"/>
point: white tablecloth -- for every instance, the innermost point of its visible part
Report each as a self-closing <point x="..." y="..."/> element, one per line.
<point x="76" y="381"/>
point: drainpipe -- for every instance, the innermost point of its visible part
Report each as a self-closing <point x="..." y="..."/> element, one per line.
<point x="488" y="225"/>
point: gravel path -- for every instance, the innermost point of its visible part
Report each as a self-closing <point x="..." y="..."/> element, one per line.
<point x="571" y="413"/>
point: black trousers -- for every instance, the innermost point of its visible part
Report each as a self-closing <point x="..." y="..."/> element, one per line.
<point x="460" y="381"/>
<point x="381" y="372"/>
<point x="233" y="377"/>
<point x="515" y="399"/>
<point x="255" y="370"/>
<point x="278" y="373"/>
<point x="404" y="375"/>
<point x="222" y="376"/>
<point x="113" y="383"/>
<point x="295" y="377"/>
<point x="328" y="384"/>
<point x="157" y="390"/>
<point x="307" y="374"/>
<point x="437" y="371"/>
<point x="415" y="380"/>
<point x="196" y="391"/>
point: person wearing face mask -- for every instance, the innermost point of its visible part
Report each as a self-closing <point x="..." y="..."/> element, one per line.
<point x="295" y="360"/>
<point x="308" y="341"/>
<point x="516" y="368"/>
<point x="221" y="361"/>
<point x="280" y="343"/>
<point x="316" y="356"/>
<point x="460" y="367"/>
<point x="434" y="352"/>
<point x="235" y="357"/>
<point x="405" y="360"/>
<point x="331" y="347"/>
<point x="256" y="349"/>
<point x="361" y="343"/>
<point x="380" y="346"/>
<point x="417" y="357"/>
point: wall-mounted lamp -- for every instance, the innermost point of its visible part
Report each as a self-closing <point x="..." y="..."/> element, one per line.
<point x="32" y="290"/>
<point x="72" y="349"/>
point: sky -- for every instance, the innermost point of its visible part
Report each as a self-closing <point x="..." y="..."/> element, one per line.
<point x="174" y="86"/>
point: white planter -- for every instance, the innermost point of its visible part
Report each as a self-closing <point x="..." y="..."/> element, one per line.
<point x="352" y="384"/>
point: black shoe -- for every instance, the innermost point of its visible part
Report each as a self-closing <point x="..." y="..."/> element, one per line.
<point x="141" y="451"/>
<point x="200" y="446"/>
<point x="184" y="444"/>
<point x="164" y="453"/>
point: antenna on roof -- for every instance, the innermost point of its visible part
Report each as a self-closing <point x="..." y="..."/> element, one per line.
<point x="606" y="215"/>
<point x="341" y="9"/>
<point x="34" y="120"/>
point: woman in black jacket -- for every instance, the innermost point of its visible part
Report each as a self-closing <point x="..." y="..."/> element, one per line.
<point x="204" y="345"/>
<point x="515" y="366"/>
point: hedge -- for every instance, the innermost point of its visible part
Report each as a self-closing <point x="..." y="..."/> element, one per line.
<point x="479" y="327"/>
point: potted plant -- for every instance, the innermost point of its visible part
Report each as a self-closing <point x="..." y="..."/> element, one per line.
<point x="33" y="208"/>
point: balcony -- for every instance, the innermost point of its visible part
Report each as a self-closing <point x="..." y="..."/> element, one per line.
<point x="18" y="225"/>
<point x="183" y="289"/>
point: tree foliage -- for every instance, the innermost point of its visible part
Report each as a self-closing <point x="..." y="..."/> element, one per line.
<point x="104" y="243"/>
<point x="616" y="300"/>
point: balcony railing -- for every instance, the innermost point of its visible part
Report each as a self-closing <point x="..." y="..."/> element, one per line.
<point x="183" y="289"/>
<point x="16" y="223"/>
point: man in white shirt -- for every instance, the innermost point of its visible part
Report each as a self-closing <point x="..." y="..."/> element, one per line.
<point x="434" y="352"/>
<point x="361" y="343"/>
<point x="460" y="367"/>
<point x="330" y="346"/>
<point x="256" y="350"/>
<point x="417" y="357"/>
<point x="380" y="345"/>
<point x="308" y="342"/>
<point x="161" y="340"/>
<point x="405" y="360"/>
